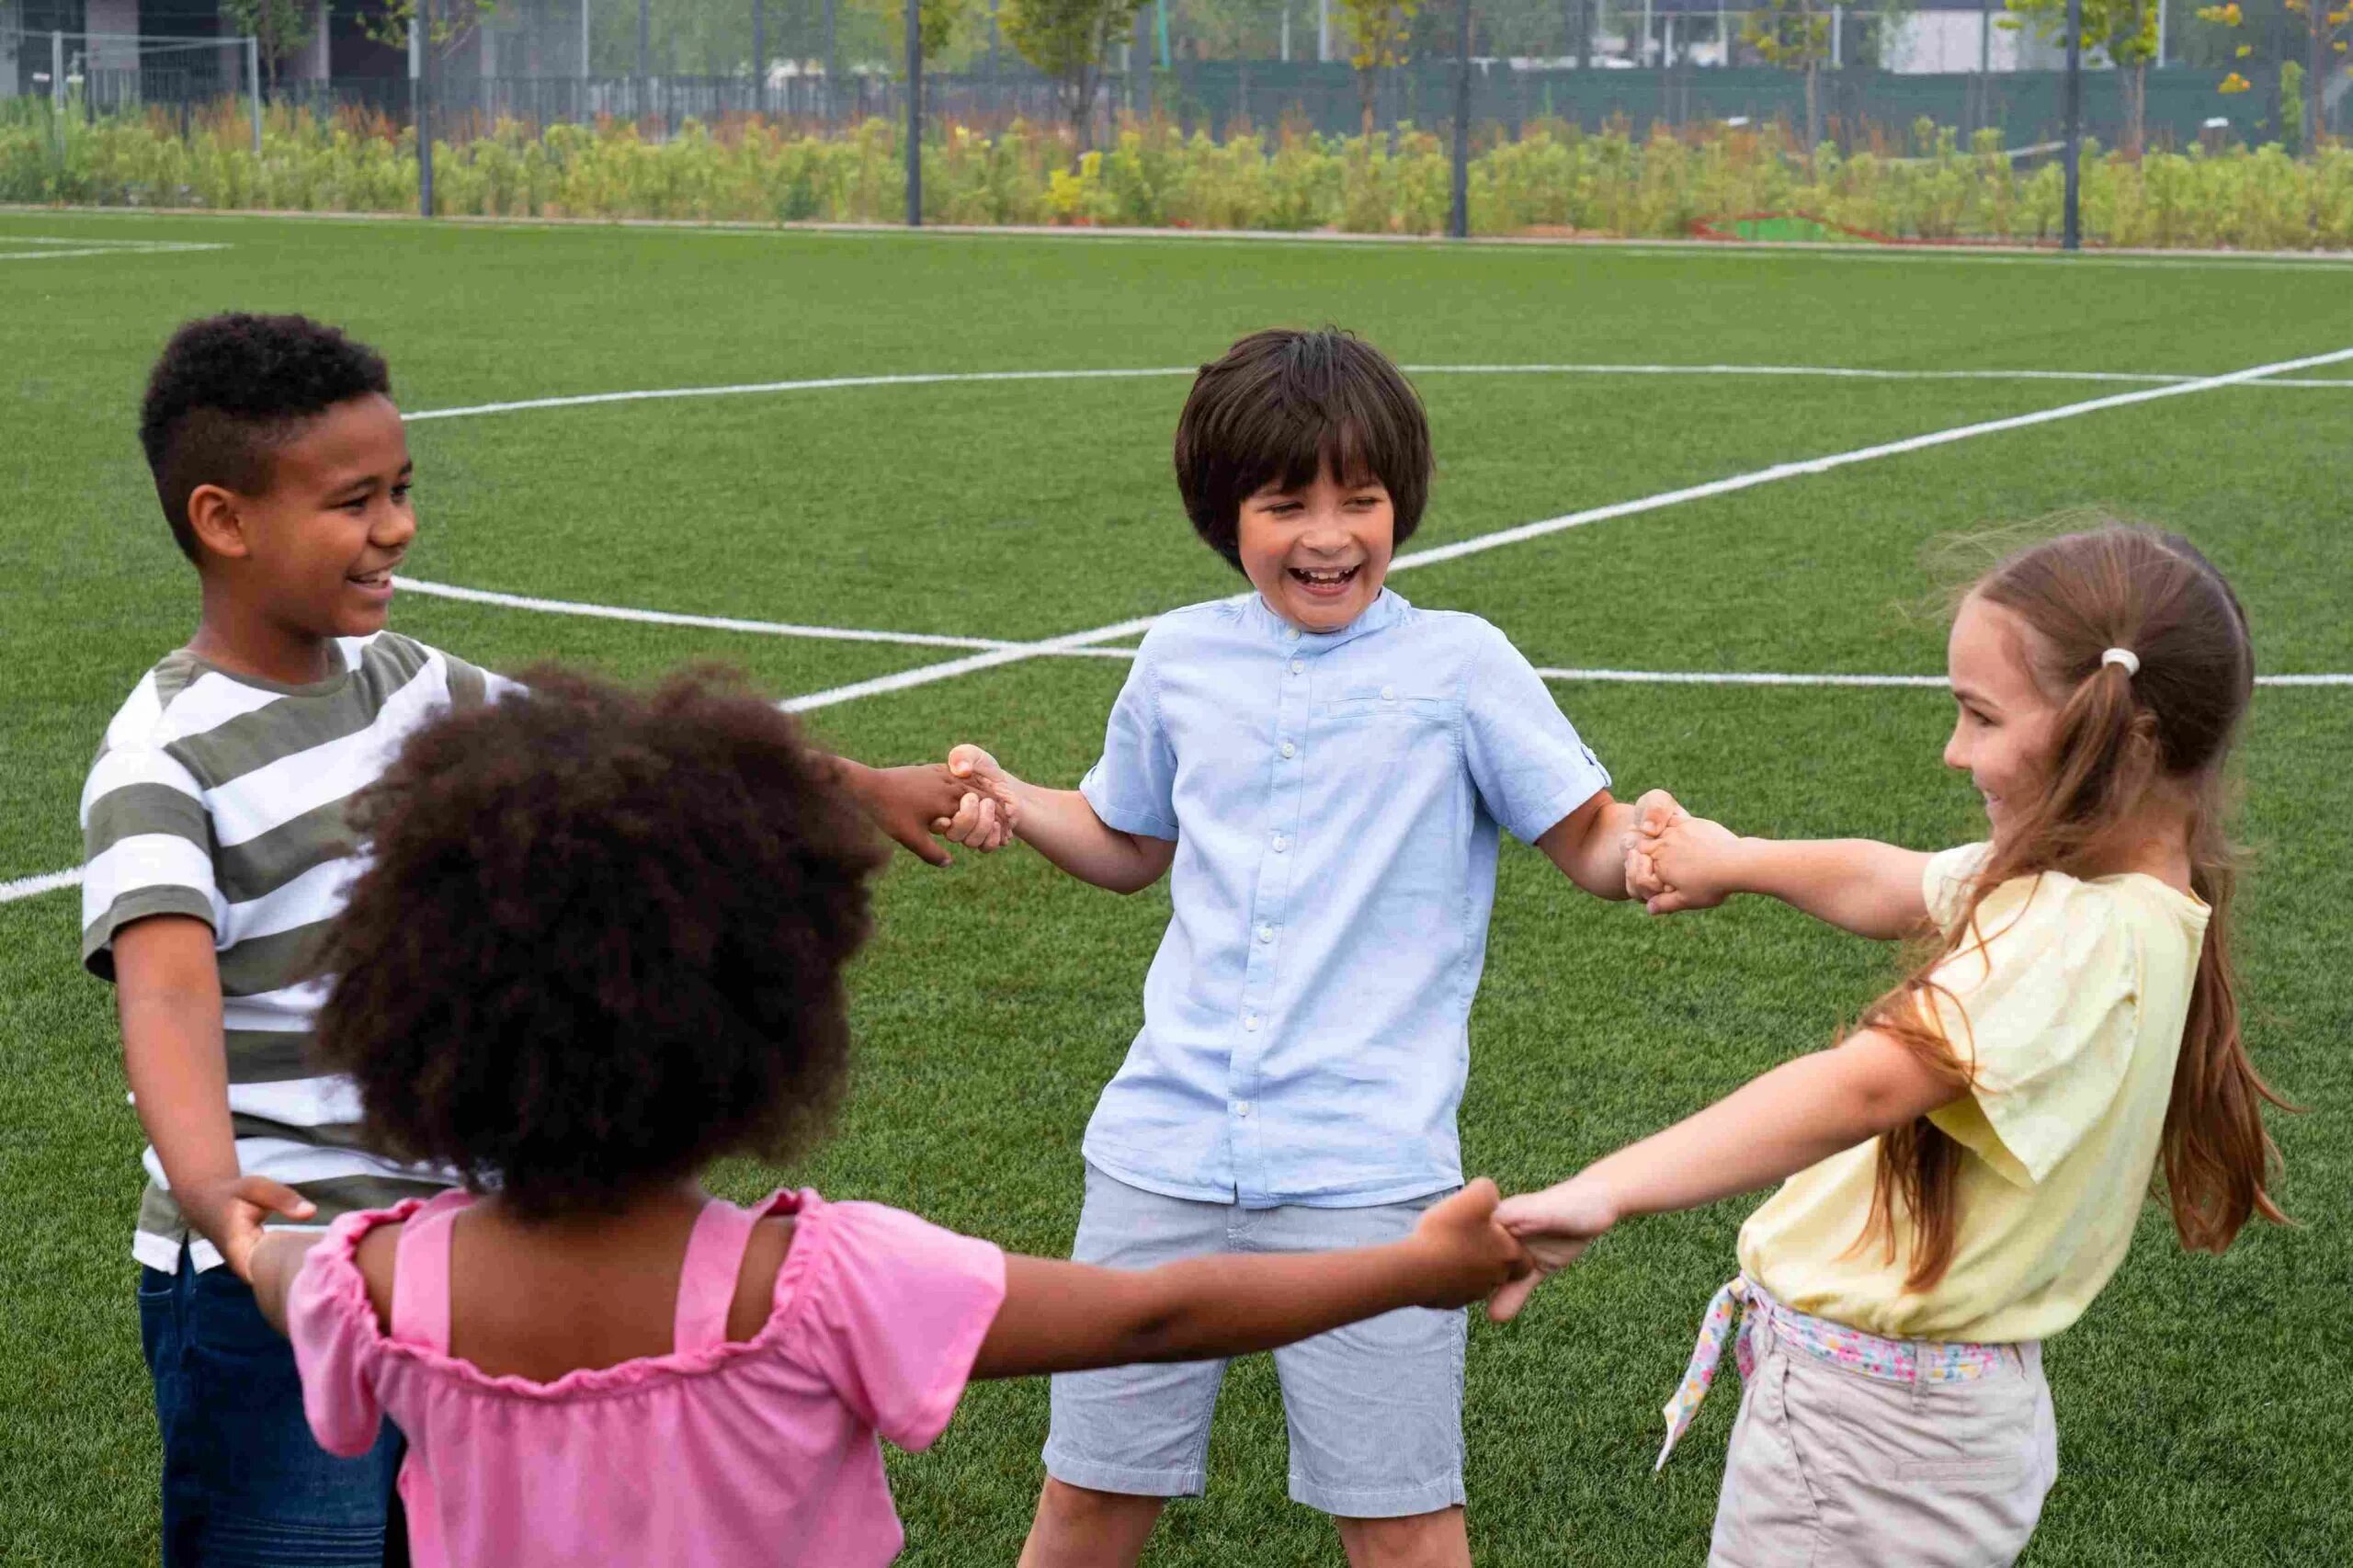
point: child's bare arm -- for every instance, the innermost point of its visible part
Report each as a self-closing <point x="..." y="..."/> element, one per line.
<point x="277" y="1258"/>
<point x="1062" y="1317"/>
<point x="1591" y="843"/>
<point x="1858" y="884"/>
<point x="167" y="993"/>
<point x="1800" y="1113"/>
<point x="1059" y="823"/>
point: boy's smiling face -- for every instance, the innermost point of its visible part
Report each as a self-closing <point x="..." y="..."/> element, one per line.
<point x="313" y="555"/>
<point x="1317" y="554"/>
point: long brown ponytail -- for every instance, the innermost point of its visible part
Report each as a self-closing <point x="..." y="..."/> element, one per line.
<point x="2119" y="738"/>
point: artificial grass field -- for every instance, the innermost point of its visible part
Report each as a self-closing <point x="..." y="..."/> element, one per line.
<point x="2201" y="1402"/>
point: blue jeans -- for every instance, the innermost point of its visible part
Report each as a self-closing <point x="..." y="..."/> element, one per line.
<point x="244" y="1481"/>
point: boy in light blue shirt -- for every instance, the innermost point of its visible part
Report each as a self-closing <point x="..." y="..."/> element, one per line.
<point x="1324" y="770"/>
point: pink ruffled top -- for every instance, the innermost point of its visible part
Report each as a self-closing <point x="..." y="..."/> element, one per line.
<point x="719" y="1453"/>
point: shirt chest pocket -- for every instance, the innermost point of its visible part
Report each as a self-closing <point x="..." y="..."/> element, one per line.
<point x="1390" y="706"/>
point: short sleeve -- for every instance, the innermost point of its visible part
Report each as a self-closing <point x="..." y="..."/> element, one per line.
<point x="899" y="1310"/>
<point x="336" y="1343"/>
<point x="1946" y="881"/>
<point x="147" y="847"/>
<point x="1133" y="785"/>
<point x="471" y="686"/>
<point x="2038" y="1005"/>
<point x="1525" y="757"/>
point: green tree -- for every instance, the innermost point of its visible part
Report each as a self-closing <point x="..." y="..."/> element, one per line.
<point x="1068" y="40"/>
<point x="2328" y="30"/>
<point x="1794" y="35"/>
<point x="1379" y="32"/>
<point x="279" y="28"/>
<point x="2125" y="31"/>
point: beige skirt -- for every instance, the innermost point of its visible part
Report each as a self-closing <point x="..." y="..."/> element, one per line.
<point x="1831" y="1468"/>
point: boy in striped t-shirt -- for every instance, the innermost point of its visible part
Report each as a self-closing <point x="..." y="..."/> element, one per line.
<point x="217" y="849"/>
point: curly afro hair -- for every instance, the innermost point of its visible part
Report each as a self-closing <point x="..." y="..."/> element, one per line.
<point x="229" y="389"/>
<point x="600" y="942"/>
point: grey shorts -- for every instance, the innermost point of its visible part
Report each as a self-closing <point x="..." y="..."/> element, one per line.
<point x="1374" y="1410"/>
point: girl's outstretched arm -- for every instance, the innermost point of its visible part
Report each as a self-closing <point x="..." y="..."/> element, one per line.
<point x="1066" y="1317"/>
<point x="1769" y="1129"/>
<point x="1857" y="884"/>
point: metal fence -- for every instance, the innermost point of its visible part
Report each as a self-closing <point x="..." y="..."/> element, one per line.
<point x="1222" y="98"/>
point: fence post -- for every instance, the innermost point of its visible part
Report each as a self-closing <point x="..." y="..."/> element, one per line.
<point x="1459" y="217"/>
<point x="57" y="72"/>
<point x="829" y="64"/>
<point x="759" y="57"/>
<point x="2072" y="227"/>
<point x="914" y="114"/>
<point x="253" y="87"/>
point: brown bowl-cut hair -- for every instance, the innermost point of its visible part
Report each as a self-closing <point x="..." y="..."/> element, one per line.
<point x="600" y="941"/>
<point x="1281" y="405"/>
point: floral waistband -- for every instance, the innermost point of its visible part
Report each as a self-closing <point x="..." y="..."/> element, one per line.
<point x="1893" y="1360"/>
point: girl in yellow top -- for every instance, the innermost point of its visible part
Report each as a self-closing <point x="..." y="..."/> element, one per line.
<point x="1960" y="1176"/>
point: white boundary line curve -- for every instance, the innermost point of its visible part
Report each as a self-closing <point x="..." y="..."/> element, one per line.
<point x="992" y="657"/>
<point x="99" y="247"/>
<point x="947" y="378"/>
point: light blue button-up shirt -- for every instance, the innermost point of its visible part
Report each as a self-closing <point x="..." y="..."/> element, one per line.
<point x="1334" y="800"/>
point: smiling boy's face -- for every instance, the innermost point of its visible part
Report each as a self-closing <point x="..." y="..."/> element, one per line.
<point x="1317" y="554"/>
<point x="316" y="551"/>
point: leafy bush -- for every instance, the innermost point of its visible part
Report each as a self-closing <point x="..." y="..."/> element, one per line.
<point x="1553" y="178"/>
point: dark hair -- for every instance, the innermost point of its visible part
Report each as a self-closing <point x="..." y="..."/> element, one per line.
<point x="2121" y="737"/>
<point x="1280" y="405"/>
<point x="229" y="389"/>
<point x="600" y="941"/>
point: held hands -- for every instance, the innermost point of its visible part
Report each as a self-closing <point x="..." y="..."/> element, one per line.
<point x="1555" y="1225"/>
<point x="986" y="811"/>
<point x="1464" y="1254"/>
<point x="1676" y="861"/>
<point x="230" y="1213"/>
<point x="1690" y="861"/>
<point x="912" y="804"/>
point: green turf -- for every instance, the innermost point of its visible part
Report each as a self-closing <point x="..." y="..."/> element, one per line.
<point x="2198" y="1401"/>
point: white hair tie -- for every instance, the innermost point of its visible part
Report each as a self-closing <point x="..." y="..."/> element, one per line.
<point x="2125" y="656"/>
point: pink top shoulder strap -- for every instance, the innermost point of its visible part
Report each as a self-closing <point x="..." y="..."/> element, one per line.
<point x="706" y="1282"/>
<point x="421" y="1273"/>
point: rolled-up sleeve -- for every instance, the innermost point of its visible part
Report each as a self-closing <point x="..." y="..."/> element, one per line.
<point x="1133" y="785"/>
<point x="1529" y="765"/>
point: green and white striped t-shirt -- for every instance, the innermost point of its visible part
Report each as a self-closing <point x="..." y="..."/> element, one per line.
<point x="223" y="796"/>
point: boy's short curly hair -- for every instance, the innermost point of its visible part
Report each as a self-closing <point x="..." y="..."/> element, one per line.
<point x="600" y="942"/>
<point x="229" y="389"/>
<point x="1283" y="404"/>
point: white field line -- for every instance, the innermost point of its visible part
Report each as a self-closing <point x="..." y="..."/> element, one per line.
<point x="947" y="378"/>
<point x="925" y="675"/>
<point x="723" y="622"/>
<point x="66" y="249"/>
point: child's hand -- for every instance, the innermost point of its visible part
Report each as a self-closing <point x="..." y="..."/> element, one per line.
<point x="1554" y="1225"/>
<point x="905" y="802"/>
<point x="1651" y="814"/>
<point x="230" y="1214"/>
<point x="1692" y="859"/>
<point x="1466" y="1254"/>
<point x="987" y="809"/>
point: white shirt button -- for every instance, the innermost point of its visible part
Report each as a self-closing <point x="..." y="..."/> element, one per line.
<point x="1292" y="635"/>
<point x="1290" y="750"/>
<point x="1242" y="1107"/>
<point x="1281" y="844"/>
<point x="1388" y="694"/>
<point x="1249" y="1020"/>
<point x="1298" y="666"/>
<point x="1266" y="933"/>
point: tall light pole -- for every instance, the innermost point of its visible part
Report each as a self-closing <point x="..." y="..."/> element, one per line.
<point x="759" y="57"/>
